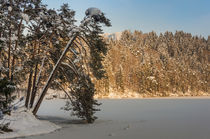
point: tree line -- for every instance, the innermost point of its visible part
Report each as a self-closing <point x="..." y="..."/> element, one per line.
<point x="157" y="65"/>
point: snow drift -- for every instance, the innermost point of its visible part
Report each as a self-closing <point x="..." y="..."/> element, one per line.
<point x="24" y="123"/>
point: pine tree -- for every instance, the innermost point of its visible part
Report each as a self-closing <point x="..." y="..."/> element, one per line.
<point x="32" y="38"/>
<point x="10" y="30"/>
<point x="89" y="33"/>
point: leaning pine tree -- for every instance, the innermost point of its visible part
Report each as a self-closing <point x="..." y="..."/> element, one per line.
<point x="78" y="62"/>
<point x="34" y="40"/>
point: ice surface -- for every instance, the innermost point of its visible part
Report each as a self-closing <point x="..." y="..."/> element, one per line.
<point x="134" y="119"/>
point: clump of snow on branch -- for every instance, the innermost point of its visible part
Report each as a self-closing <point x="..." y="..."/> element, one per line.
<point x="25" y="17"/>
<point x="93" y="12"/>
<point x="10" y="8"/>
<point x="14" y="38"/>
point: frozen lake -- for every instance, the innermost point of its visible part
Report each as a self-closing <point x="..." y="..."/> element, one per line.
<point x="134" y="119"/>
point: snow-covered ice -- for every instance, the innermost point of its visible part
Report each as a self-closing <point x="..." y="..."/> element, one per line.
<point x="133" y="118"/>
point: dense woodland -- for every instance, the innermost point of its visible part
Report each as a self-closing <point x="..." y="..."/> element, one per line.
<point x="169" y="64"/>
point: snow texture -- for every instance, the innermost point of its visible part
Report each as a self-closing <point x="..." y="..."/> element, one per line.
<point x="133" y="119"/>
<point x="3" y="39"/>
<point x="10" y="8"/>
<point x="11" y="86"/>
<point x="25" y="17"/>
<point x="14" y="38"/>
<point x="24" y="123"/>
<point x="92" y="12"/>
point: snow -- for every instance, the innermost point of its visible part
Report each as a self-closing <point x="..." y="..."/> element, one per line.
<point x="38" y="18"/>
<point x="17" y="69"/>
<point x="3" y="39"/>
<point x="58" y="21"/>
<point x="25" y="17"/>
<point x="120" y="119"/>
<point x="76" y="60"/>
<point x="10" y="8"/>
<point x="24" y="123"/>
<point x="14" y="38"/>
<point x="11" y="86"/>
<point x="4" y="69"/>
<point x="92" y="12"/>
<point x="134" y="119"/>
<point x="85" y="21"/>
<point x="114" y="95"/>
<point x="151" y="77"/>
<point x="41" y="14"/>
<point x="60" y="27"/>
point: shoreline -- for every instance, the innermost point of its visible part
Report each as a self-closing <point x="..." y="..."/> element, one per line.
<point x="168" y="97"/>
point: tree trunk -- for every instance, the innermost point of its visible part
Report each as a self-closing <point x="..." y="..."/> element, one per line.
<point x="55" y="68"/>
<point x="33" y="94"/>
<point x="28" y="95"/>
<point x="29" y="88"/>
<point x="9" y="52"/>
<point x="16" y="44"/>
<point x="37" y="83"/>
<point x="10" y="42"/>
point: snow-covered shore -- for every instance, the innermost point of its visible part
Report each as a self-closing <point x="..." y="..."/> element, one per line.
<point x="128" y="94"/>
<point x="24" y="123"/>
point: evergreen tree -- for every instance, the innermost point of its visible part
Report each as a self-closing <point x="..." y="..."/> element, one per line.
<point x="32" y="38"/>
<point x="84" y="38"/>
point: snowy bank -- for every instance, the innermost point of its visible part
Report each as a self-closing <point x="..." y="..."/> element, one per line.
<point x="26" y="124"/>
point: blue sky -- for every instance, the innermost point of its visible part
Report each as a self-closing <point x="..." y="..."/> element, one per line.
<point x="147" y="15"/>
